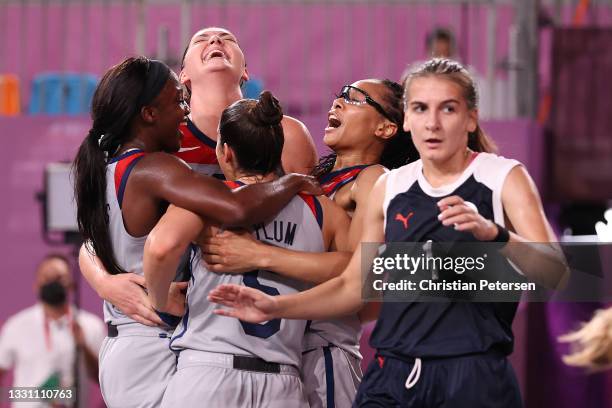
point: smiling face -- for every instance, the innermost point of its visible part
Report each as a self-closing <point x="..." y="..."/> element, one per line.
<point x="172" y="110"/>
<point x="213" y="50"/>
<point x="438" y="117"/>
<point x="351" y="125"/>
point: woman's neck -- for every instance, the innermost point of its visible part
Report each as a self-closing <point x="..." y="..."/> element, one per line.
<point x="255" y="178"/>
<point x="207" y="107"/>
<point x="356" y="158"/>
<point x="135" y="143"/>
<point x="439" y="173"/>
<point x="55" y="312"/>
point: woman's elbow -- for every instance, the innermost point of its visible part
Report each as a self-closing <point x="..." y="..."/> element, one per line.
<point x="160" y="248"/>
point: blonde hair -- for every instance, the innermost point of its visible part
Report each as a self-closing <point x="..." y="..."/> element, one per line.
<point x="478" y="141"/>
<point x="592" y="344"/>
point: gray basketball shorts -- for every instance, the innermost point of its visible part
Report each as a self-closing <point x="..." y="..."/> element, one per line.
<point x="331" y="377"/>
<point x="136" y="365"/>
<point x="217" y="380"/>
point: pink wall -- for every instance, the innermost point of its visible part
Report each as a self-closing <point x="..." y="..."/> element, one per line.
<point x="304" y="52"/>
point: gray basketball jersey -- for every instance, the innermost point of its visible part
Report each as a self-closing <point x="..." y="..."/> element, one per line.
<point x="343" y="332"/>
<point x="297" y="227"/>
<point x="128" y="250"/>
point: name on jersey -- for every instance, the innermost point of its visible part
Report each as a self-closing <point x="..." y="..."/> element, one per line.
<point x="278" y="231"/>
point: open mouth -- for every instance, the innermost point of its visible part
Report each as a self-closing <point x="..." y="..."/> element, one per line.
<point x="333" y="122"/>
<point x="215" y="54"/>
<point x="433" y="140"/>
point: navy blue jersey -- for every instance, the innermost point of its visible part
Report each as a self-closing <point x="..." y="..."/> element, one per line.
<point x="442" y="329"/>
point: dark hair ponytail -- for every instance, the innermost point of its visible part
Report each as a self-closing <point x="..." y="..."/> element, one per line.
<point x="122" y="92"/>
<point x="252" y="128"/>
<point x="90" y="193"/>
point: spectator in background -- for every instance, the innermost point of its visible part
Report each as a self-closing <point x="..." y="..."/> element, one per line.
<point x="40" y="342"/>
<point x="441" y="43"/>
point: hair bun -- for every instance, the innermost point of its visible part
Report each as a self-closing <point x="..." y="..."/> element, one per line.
<point x="267" y="110"/>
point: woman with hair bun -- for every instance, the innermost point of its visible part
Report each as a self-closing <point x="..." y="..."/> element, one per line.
<point x="225" y="362"/>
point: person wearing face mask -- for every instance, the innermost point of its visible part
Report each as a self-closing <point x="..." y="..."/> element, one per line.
<point x="40" y="342"/>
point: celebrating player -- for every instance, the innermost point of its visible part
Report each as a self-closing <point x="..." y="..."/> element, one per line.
<point x="213" y="69"/>
<point x="240" y="364"/>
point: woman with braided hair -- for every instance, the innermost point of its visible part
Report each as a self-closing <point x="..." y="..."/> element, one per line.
<point x="124" y="180"/>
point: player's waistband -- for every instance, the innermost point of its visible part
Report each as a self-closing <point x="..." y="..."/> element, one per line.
<point x="137" y="329"/>
<point x="310" y="347"/>
<point x="381" y="356"/>
<point x="189" y="358"/>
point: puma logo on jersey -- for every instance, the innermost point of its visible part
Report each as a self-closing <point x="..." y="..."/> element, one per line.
<point x="404" y="220"/>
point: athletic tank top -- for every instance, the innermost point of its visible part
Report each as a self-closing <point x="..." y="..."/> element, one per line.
<point x="128" y="250"/>
<point x="297" y="227"/>
<point x="334" y="180"/>
<point x="343" y="332"/>
<point x="407" y="330"/>
<point x="198" y="150"/>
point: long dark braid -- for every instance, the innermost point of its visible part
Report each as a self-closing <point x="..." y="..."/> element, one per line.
<point x="116" y="101"/>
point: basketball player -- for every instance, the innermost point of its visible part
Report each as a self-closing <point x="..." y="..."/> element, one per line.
<point x="213" y="69"/>
<point x="232" y="363"/>
<point x="450" y="354"/>
<point x="364" y="129"/>
<point x="124" y="180"/>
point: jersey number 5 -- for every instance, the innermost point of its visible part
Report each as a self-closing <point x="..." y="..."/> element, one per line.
<point x="261" y="330"/>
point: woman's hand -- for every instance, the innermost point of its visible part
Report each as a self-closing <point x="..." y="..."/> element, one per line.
<point x="126" y="291"/>
<point x="464" y="216"/>
<point x="232" y="252"/>
<point x="310" y="185"/>
<point x="248" y="304"/>
<point x="176" y="299"/>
